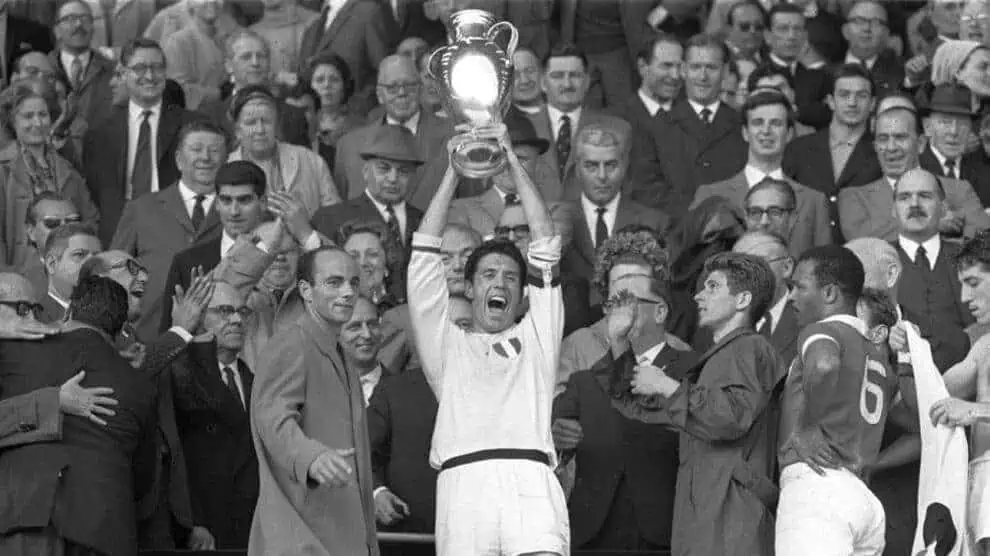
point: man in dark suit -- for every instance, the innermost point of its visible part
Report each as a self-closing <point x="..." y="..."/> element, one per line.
<point x="787" y="38"/>
<point x="780" y="324"/>
<point x="248" y="60"/>
<point x="132" y="153"/>
<point x="156" y="227"/>
<point x="698" y="142"/>
<point x="659" y="63"/>
<point x="390" y="162"/>
<point x="20" y="37"/>
<point x="623" y="497"/>
<point x="929" y="289"/>
<point x="868" y="32"/>
<point x="66" y="249"/>
<point x="842" y="155"/>
<point x="77" y="496"/>
<point x="767" y="125"/>
<point x="87" y="71"/>
<point x="370" y="36"/>
<point x="212" y="388"/>
<point x="411" y="21"/>
<point x="948" y="122"/>
<point x="601" y="163"/>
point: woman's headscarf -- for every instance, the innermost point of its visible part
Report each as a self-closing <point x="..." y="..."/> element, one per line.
<point x="949" y="58"/>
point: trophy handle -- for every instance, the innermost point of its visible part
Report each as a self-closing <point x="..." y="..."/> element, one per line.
<point x="433" y="63"/>
<point x="496" y="29"/>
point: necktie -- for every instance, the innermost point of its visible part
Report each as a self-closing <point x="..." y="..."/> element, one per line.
<point x="563" y="144"/>
<point x="278" y="294"/>
<point x="601" y="230"/>
<point x="231" y="382"/>
<point x="198" y="212"/>
<point x="511" y="199"/>
<point x="77" y="72"/>
<point x="706" y="115"/>
<point x="950" y="168"/>
<point x="141" y="173"/>
<point x="392" y="223"/>
<point x="921" y="259"/>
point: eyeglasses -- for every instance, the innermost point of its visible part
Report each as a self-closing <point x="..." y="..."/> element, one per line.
<point x="875" y="22"/>
<point x="757" y="213"/>
<point x="132" y="266"/>
<point x="748" y="26"/>
<point x="74" y="19"/>
<point x="504" y="231"/>
<point x="143" y="69"/>
<point x="399" y="88"/>
<point x="52" y="223"/>
<point x="24" y="308"/>
<point x="228" y="311"/>
<point x="618" y="300"/>
<point x="974" y="18"/>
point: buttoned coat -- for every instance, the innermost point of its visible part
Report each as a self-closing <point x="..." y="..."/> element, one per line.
<point x="810" y="225"/>
<point x="306" y="402"/>
<point x="868" y="211"/>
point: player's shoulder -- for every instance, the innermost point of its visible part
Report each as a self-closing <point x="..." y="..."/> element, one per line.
<point x="838" y="331"/>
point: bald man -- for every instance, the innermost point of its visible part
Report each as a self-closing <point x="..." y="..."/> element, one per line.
<point x="34" y="417"/>
<point x="779" y="325"/>
<point x="398" y="93"/>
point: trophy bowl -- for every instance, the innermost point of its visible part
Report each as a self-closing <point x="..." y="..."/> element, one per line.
<point x="474" y="74"/>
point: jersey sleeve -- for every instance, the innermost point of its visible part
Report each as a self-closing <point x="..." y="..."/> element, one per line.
<point x="812" y="333"/>
<point x="546" y="303"/>
<point x="429" y="306"/>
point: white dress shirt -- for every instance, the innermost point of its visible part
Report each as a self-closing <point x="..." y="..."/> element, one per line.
<point x="649" y="355"/>
<point x="369" y="381"/>
<point x="555" y="123"/>
<point x="651" y="104"/>
<point x="334" y="9"/>
<point x="932" y="247"/>
<point x="237" y="378"/>
<point x="226" y="244"/>
<point x="698" y="107"/>
<point x="591" y="214"/>
<point x="942" y="159"/>
<point x="850" y="59"/>
<point x="67" y="58"/>
<point x="400" y="212"/>
<point x="189" y="199"/>
<point x="775" y="313"/>
<point x="412" y="124"/>
<point x="791" y="66"/>
<point x="755" y="175"/>
<point x="134" y="117"/>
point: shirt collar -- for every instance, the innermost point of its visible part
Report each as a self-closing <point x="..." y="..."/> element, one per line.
<point x="382" y="207"/>
<point x="651" y="104"/>
<point x="412" y="124"/>
<point x="837" y="136"/>
<point x="777" y="310"/>
<point x="780" y="62"/>
<point x="372" y="377"/>
<point x="535" y="109"/>
<point x="68" y="57"/>
<point x="698" y="107"/>
<point x="226" y="243"/>
<point x="189" y="196"/>
<point x="932" y="247"/>
<point x="850" y="59"/>
<point x="135" y="111"/>
<point x="555" y="114"/>
<point x="611" y="207"/>
<point x="651" y="354"/>
<point x="851" y="320"/>
<point x="941" y="157"/>
<point x="755" y="176"/>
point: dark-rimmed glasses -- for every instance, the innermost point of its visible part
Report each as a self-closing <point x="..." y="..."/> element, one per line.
<point x="132" y="266"/>
<point x="775" y="213"/>
<point x="53" y="222"/>
<point x="24" y="308"/>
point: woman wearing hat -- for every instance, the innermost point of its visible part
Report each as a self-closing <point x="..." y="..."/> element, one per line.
<point x="288" y="168"/>
<point x="965" y="63"/>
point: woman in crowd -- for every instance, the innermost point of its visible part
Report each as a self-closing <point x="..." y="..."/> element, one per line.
<point x="30" y="166"/>
<point x="288" y="168"/>
<point x="330" y="78"/>
<point x="965" y="63"/>
<point x="379" y="257"/>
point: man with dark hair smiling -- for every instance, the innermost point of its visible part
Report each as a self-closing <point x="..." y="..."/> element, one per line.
<point x="492" y="438"/>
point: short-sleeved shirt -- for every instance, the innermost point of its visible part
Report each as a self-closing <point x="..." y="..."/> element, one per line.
<point x="850" y="407"/>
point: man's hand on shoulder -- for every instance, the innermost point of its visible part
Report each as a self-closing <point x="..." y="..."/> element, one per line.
<point x="389" y="508"/>
<point x="90" y="403"/>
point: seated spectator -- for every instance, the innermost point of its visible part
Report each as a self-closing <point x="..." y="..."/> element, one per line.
<point x="381" y="260"/>
<point x="211" y="385"/>
<point x="948" y="122"/>
<point x="771" y="77"/>
<point x="288" y="168"/>
<point x="32" y="167"/>
<point x="402" y="413"/>
<point x="623" y="497"/>
<point x="769" y="207"/>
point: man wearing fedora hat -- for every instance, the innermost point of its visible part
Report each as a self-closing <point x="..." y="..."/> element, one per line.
<point x="949" y="122"/>
<point x="482" y="212"/>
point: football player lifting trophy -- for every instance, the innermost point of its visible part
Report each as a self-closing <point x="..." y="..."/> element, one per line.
<point x="475" y="74"/>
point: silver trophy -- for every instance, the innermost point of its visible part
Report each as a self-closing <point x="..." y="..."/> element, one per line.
<point x="474" y="74"/>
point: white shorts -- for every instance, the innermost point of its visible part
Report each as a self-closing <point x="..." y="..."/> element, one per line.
<point x="979" y="498"/>
<point x="501" y="507"/>
<point x="830" y="515"/>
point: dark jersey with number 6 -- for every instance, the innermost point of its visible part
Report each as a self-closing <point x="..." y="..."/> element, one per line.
<point x="849" y="407"/>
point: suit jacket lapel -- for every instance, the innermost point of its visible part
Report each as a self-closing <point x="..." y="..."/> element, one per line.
<point x="625" y="214"/>
<point x="171" y="201"/>
<point x="168" y="127"/>
<point x="857" y="160"/>
<point x="722" y="124"/>
<point x="120" y="134"/>
<point x="683" y="115"/>
<point x="326" y="343"/>
<point x="582" y="235"/>
<point x="786" y="332"/>
<point x="336" y="25"/>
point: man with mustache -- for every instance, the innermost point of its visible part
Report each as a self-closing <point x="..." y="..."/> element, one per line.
<point x="527" y="89"/>
<point x="767" y="126"/>
<point x="868" y="210"/>
<point x="87" y="72"/>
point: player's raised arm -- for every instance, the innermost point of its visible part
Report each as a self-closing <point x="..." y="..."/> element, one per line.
<point x="537" y="213"/>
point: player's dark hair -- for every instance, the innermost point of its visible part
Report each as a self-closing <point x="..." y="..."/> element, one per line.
<point x="99" y="302"/>
<point x="975" y="252"/>
<point x="307" y="262"/>
<point x="766" y="97"/>
<point x="834" y="265"/>
<point x="746" y="273"/>
<point x="764" y="71"/>
<point x="779" y="186"/>
<point x="497" y="247"/>
<point x="883" y="311"/>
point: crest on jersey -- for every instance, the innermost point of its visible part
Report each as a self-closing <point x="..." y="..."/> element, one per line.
<point x="509" y="349"/>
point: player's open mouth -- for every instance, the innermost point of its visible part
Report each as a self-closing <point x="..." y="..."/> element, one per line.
<point x="497" y="303"/>
<point x="138" y="291"/>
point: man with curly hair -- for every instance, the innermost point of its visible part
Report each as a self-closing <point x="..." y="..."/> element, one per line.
<point x="623" y="497"/>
